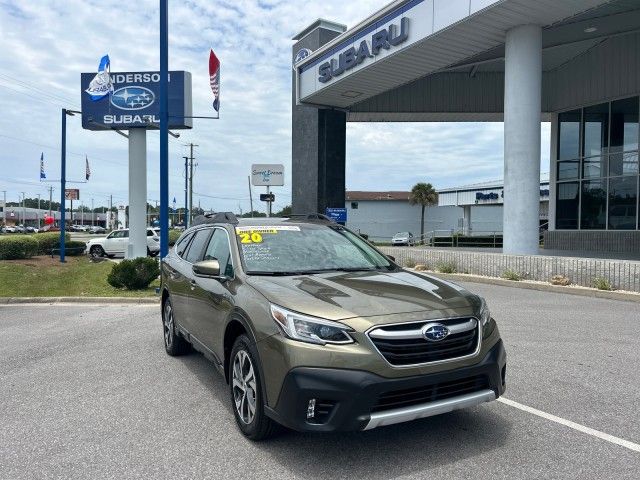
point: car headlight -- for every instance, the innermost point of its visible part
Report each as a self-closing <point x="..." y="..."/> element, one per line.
<point x="486" y="321"/>
<point x="310" y="329"/>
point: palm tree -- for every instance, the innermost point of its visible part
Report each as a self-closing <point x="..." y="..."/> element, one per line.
<point x="425" y="195"/>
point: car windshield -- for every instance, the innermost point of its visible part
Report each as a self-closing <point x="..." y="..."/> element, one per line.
<point x="402" y="234"/>
<point x="305" y="248"/>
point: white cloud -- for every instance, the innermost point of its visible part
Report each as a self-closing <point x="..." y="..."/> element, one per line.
<point x="46" y="44"/>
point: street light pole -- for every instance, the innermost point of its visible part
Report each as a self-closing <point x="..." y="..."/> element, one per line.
<point x="92" y="214"/>
<point x="186" y="192"/>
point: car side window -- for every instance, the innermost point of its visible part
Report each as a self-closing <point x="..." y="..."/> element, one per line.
<point x="113" y="235"/>
<point x="183" y="243"/>
<point x="218" y="249"/>
<point x="117" y="234"/>
<point x="124" y="234"/>
<point x="196" y="247"/>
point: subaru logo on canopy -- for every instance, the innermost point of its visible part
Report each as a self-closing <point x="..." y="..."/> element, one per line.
<point x="301" y="55"/>
<point x="132" y="98"/>
<point x="435" y="332"/>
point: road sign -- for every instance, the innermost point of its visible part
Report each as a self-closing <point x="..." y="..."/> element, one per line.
<point x="338" y="215"/>
<point x="135" y="101"/>
<point x="267" y="197"/>
<point x="268" y="174"/>
<point x="71" y="194"/>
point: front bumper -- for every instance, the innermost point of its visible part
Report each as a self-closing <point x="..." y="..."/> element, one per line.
<point x="346" y="399"/>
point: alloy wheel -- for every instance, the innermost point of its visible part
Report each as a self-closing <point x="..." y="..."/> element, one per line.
<point x="168" y="325"/>
<point x="244" y="387"/>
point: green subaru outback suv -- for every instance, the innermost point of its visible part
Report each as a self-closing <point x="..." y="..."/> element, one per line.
<point x="315" y="329"/>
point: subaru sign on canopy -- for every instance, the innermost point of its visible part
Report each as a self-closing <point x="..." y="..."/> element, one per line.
<point x="135" y="101"/>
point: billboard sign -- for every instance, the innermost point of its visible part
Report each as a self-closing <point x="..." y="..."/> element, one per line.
<point x="267" y="174"/>
<point x="135" y="101"/>
<point x="71" y="194"/>
<point x="338" y="215"/>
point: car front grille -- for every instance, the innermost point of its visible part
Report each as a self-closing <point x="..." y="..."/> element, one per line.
<point x="429" y="393"/>
<point x="404" y="345"/>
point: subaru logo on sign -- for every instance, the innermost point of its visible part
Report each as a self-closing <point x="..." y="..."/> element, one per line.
<point x="301" y="55"/>
<point x="435" y="332"/>
<point x="132" y="98"/>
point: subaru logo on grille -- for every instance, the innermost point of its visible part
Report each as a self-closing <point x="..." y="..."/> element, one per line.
<point x="435" y="332"/>
<point x="132" y="98"/>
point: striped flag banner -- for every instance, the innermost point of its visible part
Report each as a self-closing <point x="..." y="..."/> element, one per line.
<point x="214" y="79"/>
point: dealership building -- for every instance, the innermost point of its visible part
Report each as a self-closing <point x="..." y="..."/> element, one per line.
<point x="573" y="63"/>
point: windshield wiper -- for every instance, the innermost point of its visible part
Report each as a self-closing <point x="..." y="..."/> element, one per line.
<point x="284" y="274"/>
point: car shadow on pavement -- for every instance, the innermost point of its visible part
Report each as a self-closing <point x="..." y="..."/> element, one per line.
<point x="419" y="446"/>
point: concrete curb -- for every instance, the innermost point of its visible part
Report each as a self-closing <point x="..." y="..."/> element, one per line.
<point x="94" y="300"/>
<point x="581" y="291"/>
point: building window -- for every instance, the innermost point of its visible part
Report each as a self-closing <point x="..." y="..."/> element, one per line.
<point x="623" y="201"/>
<point x="354" y="205"/>
<point x="593" y="205"/>
<point x="567" y="206"/>
<point x="624" y="125"/>
<point x="569" y="135"/>
<point x="597" y="167"/>
<point x="596" y="130"/>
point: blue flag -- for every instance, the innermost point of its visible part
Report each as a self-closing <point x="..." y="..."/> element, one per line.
<point x="101" y="85"/>
<point x="43" y="176"/>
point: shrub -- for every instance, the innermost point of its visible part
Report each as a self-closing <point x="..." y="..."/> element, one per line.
<point x="74" y="248"/>
<point x="410" y="263"/>
<point x="15" y="247"/>
<point x="446" y="267"/>
<point x="602" y="283"/>
<point x="422" y="267"/>
<point x="134" y="274"/>
<point x="50" y="240"/>
<point x="173" y="236"/>
<point x="512" y="275"/>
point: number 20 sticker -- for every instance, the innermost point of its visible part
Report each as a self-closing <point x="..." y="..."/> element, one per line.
<point x="253" y="237"/>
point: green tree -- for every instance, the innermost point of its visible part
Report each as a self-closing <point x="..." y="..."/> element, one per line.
<point x="425" y="195"/>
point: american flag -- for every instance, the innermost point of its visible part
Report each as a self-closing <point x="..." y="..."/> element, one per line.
<point x="214" y="79"/>
<point x="87" y="173"/>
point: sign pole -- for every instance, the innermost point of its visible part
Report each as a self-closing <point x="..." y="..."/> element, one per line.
<point x="164" y="130"/>
<point x="250" y="195"/>
<point x="63" y="181"/>
<point x="137" y="246"/>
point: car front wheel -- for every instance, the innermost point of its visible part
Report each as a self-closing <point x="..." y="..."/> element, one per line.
<point x="96" y="251"/>
<point x="245" y="385"/>
<point x="174" y="344"/>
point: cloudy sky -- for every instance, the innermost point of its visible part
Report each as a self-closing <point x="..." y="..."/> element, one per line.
<point x="44" y="45"/>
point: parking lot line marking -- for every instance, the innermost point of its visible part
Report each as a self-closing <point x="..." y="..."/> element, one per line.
<point x="576" y="426"/>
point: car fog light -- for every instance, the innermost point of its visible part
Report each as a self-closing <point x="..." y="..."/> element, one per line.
<point x="311" y="408"/>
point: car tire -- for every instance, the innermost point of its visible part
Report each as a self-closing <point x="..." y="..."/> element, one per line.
<point x="174" y="344"/>
<point x="96" y="251"/>
<point x="245" y="387"/>
<point x="150" y="253"/>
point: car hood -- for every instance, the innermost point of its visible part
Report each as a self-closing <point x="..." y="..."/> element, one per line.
<point x="380" y="296"/>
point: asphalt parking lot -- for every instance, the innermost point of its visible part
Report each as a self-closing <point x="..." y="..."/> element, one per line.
<point x="88" y="392"/>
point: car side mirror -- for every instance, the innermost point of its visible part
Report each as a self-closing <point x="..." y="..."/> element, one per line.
<point x="207" y="268"/>
<point x="391" y="257"/>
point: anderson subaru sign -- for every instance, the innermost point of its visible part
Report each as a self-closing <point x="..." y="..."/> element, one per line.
<point x="135" y="101"/>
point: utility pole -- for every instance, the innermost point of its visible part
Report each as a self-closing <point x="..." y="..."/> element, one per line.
<point x="110" y="212"/>
<point x="50" y="199"/>
<point x="4" y="208"/>
<point x="250" y="195"/>
<point x="24" y="212"/>
<point x="186" y="192"/>
<point x="191" y="158"/>
<point x="38" y="214"/>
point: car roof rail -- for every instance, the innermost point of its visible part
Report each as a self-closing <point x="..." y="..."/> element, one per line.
<point x="216" y="217"/>
<point x="310" y="217"/>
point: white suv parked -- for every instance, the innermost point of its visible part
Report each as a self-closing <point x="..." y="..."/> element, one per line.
<point x="115" y="244"/>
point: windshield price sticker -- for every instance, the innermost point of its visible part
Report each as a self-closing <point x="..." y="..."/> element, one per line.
<point x="268" y="229"/>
